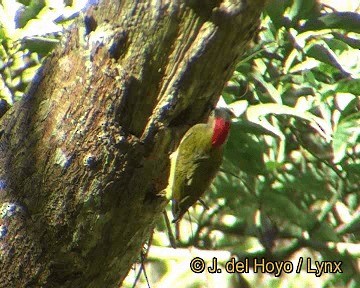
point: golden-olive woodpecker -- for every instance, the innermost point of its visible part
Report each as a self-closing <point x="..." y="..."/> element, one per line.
<point x="196" y="161"/>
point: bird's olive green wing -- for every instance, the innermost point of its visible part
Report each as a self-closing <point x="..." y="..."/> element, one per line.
<point x="196" y="166"/>
<point x="185" y="157"/>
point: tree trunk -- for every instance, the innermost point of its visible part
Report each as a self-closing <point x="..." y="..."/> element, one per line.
<point x="85" y="153"/>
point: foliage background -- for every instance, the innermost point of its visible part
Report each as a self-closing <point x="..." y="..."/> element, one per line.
<point x="289" y="185"/>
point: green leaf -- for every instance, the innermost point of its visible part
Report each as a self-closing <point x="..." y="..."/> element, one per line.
<point x="323" y="53"/>
<point x="303" y="9"/>
<point x="349" y="21"/>
<point x="238" y="107"/>
<point x="2" y="33"/>
<point x="274" y="94"/>
<point x="30" y="12"/>
<point x="280" y="206"/>
<point x="352" y="42"/>
<point x="244" y="152"/>
<point x="346" y="135"/>
<point x="256" y="115"/>
<point x="353" y="168"/>
<point x="346" y="86"/>
<point x="337" y="45"/>
<point x="40" y="45"/>
<point x="347" y="104"/>
<point x="305" y="65"/>
<point x="24" y="2"/>
<point x="275" y="10"/>
<point x="324" y="233"/>
<point x="310" y="183"/>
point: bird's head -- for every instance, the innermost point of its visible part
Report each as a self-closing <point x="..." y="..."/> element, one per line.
<point x="221" y="119"/>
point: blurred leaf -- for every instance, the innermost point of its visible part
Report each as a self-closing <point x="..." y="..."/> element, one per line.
<point x="2" y="33"/>
<point x="68" y="2"/>
<point x="309" y="184"/>
<point x="325" y="232"/>
<point x="274" y="94"/>
<point x="306" y="65"/>
<point x="256" y="112"/>
<point x="347" y="104"/>
<point x="349" y="21"/>
<point x="40" y="45"/>
<point x="323" y="53"/>
<point x="275" y="10"/>
<point x="303" y="9"/>
<point x="244" y="152"/>
<point x="353" y="168"/>
<point x="352" y="42"/>
<point x="239" y="107"/>
<point x="24" y="2"/>
<point x="346" y="86"/>
<point x="279" y="205"/>
<point x="346" y="135"/>
<point x="29" y="12"/>
<point x="336" y="45"/>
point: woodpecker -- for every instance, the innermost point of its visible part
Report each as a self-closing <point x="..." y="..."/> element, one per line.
<point x="196" y="161"/>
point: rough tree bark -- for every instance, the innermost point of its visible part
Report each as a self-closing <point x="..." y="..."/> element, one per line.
<point x="85" y="153"/>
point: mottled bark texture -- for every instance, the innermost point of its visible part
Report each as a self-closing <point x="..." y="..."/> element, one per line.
<point x="85" y="153"/>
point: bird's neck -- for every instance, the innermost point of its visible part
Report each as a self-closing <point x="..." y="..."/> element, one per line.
<point x="221" y="129"/>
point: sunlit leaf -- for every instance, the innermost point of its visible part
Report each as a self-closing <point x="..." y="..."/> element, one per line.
<point x="256" y="113"/>
<point x="323" y="53"/>
<point x="346" y="135"/>
<point x="349" y="21"/>
<point x="29" y="12"/>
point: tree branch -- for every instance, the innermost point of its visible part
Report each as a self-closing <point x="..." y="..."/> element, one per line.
<point x="85" y="153"/>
